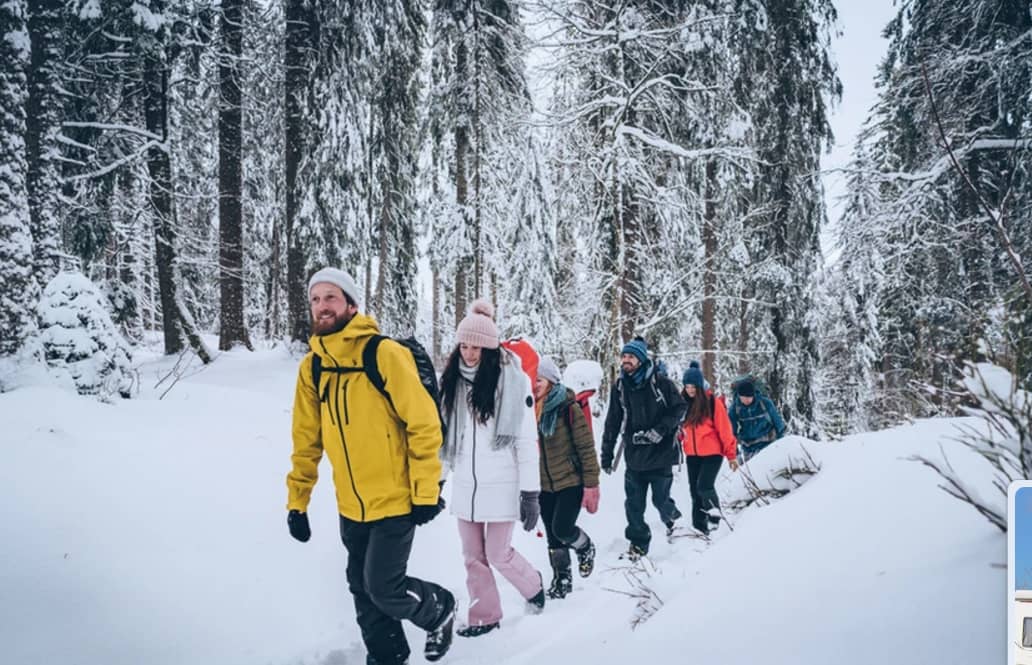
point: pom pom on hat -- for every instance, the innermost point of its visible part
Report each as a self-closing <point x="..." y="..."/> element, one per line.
<point x="481" y="306"/>
<point x="693" y="377"/>
<point x="478" y="328"/>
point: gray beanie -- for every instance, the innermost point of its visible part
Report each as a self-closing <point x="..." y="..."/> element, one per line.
<point x="339" y="278"/>
<point x="548" y="370"/>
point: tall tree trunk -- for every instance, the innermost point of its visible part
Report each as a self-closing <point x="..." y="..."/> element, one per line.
<point x="42" y="124"/>
<point x="272" y="290"/>
<point x="630" y="227"/>
<point x="461" y="187"/>
<point x="435" y="319"/>
<point x="478" y="138"/>
<point x="21" y="292"/>
<point x="155" y="81"/>
<point x="298" y="37"/>
<point x="743" y="336"/>
<point x="384" y="256"/>
<point x="176" y="319"/>
<point x="709" y="275"/>
<point x="233" y="329"/>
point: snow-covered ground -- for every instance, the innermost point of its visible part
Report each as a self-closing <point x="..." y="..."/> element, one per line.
<point x="153" y="531"/>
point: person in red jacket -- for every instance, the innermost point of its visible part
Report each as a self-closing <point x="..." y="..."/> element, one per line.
<point x="707" y="439"/>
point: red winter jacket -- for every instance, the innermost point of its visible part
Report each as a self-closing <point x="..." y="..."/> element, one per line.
<point x="712" y="436"/>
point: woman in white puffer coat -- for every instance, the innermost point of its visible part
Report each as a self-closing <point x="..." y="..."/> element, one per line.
<point x="490" y="447"/>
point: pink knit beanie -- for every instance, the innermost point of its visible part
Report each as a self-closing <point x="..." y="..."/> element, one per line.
<point x="478" y="328"/>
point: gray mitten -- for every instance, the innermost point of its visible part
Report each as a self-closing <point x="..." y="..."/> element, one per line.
<point x="530" y="509"/>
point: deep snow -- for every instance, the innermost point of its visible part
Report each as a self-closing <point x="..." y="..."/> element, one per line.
<point x="153" y="531"/>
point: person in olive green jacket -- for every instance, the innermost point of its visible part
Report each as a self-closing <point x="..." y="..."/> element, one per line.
<point x="569" y="476"/>
<point x="384" y="457"/>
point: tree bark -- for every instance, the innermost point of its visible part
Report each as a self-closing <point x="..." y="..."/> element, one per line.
<point x="155" y="80"/>
<point x="478" y="137"/>
<point x="461" y="188"/>
<point x="41" y="127"/>
<point x="20" y="290"/>
<point x="298" y="38"/>
<point x="232" y="329"/>
<point x="709" y="275"/>
<point x="436" y="317"/>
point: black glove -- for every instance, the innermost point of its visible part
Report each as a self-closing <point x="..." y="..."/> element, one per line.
<point x="647" y="437"/>
<point x="607" y="467"/>
<point x="530" y="509"/>
<point x="423" y="514"/>
<point x="298" y="524"/>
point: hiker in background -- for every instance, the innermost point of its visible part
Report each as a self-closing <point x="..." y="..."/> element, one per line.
<point x="645" y="411"/>
<point x="755" y="421"/>
<point x="491" y="446"/>
<point x="569" y="476"/>
<point x="706" y="439"/>
<point x="385" y="468"/>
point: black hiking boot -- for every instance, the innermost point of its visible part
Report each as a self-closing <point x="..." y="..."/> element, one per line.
<point x="634" y="553"/>
<point x="562" y="578"/>
<point x="586" y="558"/>
<point x="671" y="524"/>
<point x="439" y="640"/>
<point x="536" y="603"/>
<point x="477" y="631"/>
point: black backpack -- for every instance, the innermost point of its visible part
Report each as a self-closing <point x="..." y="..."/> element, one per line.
<point x="424" y="366"/>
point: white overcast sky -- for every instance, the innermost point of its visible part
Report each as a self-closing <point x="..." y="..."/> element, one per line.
<point x="858" y="51"/>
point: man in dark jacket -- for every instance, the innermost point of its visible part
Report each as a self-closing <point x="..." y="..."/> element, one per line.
<point x="755" y="420"/>
<point x="649" y="408"/>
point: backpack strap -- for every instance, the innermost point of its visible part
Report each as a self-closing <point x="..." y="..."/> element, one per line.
<point x="369" y="366"/>
<point x="657" y="391"/>
<point x="372" y="369"/>
<point x="316" y="371"/>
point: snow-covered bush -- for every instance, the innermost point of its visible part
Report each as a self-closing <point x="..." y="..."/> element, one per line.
<point x="781" y="468"/>
<point x="1005" y="441"/>
<point x="80" y="342"/>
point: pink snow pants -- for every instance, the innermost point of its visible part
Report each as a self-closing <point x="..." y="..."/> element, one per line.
<point x="489" y="545"/>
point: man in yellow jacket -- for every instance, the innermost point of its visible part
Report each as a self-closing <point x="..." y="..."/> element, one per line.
<point x="384" y="455"/>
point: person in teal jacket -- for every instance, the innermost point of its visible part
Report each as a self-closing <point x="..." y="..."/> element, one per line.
<point x="755" y="420"/>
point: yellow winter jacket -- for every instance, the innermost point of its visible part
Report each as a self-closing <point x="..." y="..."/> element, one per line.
<point x="384" y="461"/>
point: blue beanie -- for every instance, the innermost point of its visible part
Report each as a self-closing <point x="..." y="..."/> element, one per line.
<point x="693" y="377"/>
<point x="637" y="348"/>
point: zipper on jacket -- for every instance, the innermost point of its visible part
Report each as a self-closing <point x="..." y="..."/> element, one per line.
<point x="544" y="458"/>
<point x="347" y="420"/>
<point x="340" y="428"/>
<point x="326" y="398"/>
<point x="473" y="497"/>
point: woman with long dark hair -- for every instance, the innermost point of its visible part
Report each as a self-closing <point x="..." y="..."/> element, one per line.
<point x="491" y="448"/>
<point x="706" y="439"/>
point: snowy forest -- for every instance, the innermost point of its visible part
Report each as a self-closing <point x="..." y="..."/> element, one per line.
<point x="174" y="170"/>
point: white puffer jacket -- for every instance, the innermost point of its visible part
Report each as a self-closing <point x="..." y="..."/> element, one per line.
<point x="486" y="483"/>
